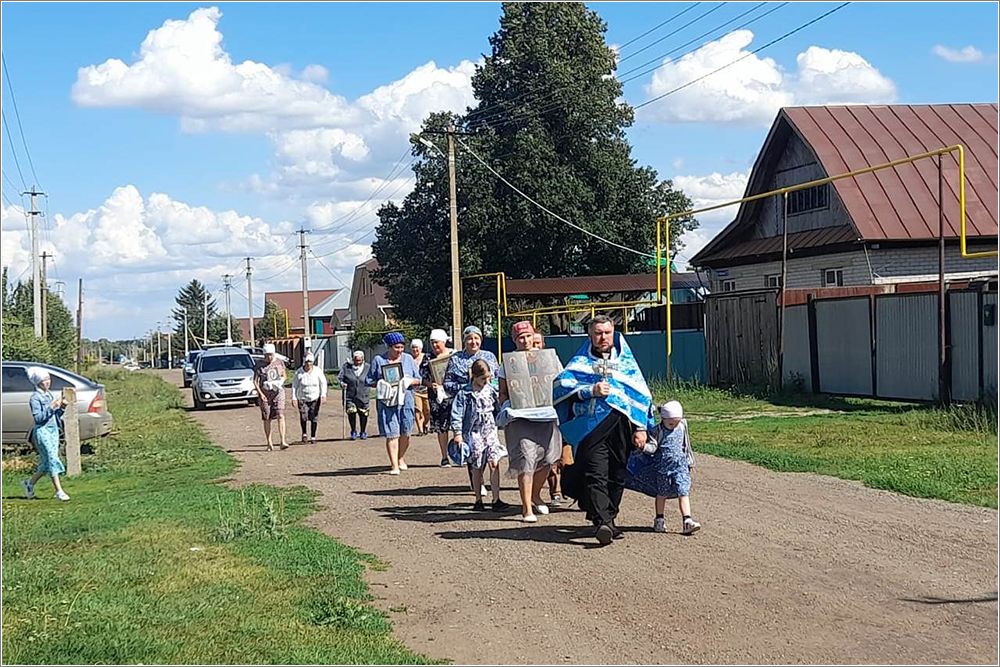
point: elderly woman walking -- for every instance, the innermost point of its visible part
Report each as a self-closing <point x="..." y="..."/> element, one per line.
<point x="534" y="443"/>
<point x="308" y="392"/>
<point x="394" y="394"/>
<point x="440" y="401"/>
<point x="47" y="412"/>
<point x="269" y="380"/>
<point x="353" y="378"/>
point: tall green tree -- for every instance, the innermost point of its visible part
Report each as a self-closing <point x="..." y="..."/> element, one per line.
<point x="549" y="117"/>
<point x="57" y="347"/>
<point x="191" y="298"/>
<point x="272" y="325"/>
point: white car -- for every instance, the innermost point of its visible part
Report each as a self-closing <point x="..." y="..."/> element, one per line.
<point x="223" y="374"/>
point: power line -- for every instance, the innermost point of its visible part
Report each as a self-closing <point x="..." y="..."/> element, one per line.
<point x="658" y="26"/>
<point x="553" y="214"/>
<point x="13" y="151"/>
<point x="335" y="276"/>
<point x="744" y="57"/>
<point x="17" y="115"/>
<point x="674" y="32"/>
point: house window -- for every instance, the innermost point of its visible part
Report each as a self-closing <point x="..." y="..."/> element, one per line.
<point x="833" y="277"/>
<point x="810" y="199"/>
<point x="773" y="280"/>
<point x="728" y="285"/>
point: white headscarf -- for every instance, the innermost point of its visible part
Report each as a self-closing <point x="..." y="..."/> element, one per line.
<point x="36" y="375"/>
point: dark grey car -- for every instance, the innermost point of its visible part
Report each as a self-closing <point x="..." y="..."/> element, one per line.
<point x="91" y="404"/>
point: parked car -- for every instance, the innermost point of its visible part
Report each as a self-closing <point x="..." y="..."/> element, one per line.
<point x="189" y="366"/>
<point x="223" y="374"/>
<point x="91" y="405"/>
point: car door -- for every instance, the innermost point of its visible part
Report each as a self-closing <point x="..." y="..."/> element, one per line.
<point x="17" y="389"/>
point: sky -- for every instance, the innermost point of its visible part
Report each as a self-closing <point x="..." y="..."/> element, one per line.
<point x="173" y="140"/>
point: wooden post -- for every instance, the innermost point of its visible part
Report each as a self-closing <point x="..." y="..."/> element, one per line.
<point x="72" y="425"/>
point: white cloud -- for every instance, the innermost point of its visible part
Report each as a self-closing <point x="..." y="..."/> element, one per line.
<point x="315" y="74"/>
<point x="135" y="252"/>
<point x="968" y="54"/>
<point x="752" y="89"/>
<point x="715" y="188"/>
<point x="183" y="70"/>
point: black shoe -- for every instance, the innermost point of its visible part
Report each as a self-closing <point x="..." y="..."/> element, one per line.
<point x="499" y="506"/>
<point x="604" y="534"/>
<point x="479" y="506"/>
<point x="617" y="533"/>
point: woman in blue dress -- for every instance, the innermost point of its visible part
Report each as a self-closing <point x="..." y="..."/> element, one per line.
<point x="394" y="399"/>
<point x="47" y="412"/>
<point x="666" y="472"/>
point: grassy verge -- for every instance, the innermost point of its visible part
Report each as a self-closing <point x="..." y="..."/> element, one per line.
<point x="917" y="450"/>
<point x="152" y="561"/>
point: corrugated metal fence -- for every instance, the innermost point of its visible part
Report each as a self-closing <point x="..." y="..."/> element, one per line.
<point x="886" y="345"/>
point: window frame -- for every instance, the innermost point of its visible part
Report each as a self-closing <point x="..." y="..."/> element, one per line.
<point x="777" y="280"/>
<point x="728" y="285"/>
<point x="838" y="280"/>
<point x="816" y="198"/>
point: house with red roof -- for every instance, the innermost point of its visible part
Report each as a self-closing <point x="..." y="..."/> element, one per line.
<point x="879" y="230"/>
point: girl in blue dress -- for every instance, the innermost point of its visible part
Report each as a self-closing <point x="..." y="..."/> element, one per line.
<point x="666" y="472"/>
<point x="47" y="412"/>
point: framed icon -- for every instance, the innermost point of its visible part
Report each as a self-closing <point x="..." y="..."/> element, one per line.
<point x="438" y="367"/>
<point x="393" y="373"/>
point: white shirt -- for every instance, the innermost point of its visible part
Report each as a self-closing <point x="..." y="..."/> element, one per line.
<point x="309" y="386"/>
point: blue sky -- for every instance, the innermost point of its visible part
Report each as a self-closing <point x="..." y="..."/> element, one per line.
<point x="234" y="170"/>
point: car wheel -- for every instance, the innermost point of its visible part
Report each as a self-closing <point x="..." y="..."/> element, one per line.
<point x="198" y="405"/>
<point x="254" y="402"/>
<point x="186" y="384"/>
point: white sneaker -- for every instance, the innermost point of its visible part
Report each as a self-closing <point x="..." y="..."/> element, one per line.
<point x="690" y="526"/>
<point x="531" y="518"/>
<point x="483" y="491"/>
<point x="659" y="525"/>
<point x="29" y="488"/>
<point x="61" y="495"/>
<point x="403" y="466"/>
<point x="542" y="509"/>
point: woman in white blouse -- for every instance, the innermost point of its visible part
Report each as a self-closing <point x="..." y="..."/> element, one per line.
<point x="308" y="393"/>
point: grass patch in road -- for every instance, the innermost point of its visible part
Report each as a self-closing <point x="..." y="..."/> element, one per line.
<point x="919" y="450"/>
<point x="154" y="562"/>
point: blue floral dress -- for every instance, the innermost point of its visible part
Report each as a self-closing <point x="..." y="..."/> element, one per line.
<point x="45" y="434"/>
<point x="667" y="471"/>
<point x="473" y="414"/>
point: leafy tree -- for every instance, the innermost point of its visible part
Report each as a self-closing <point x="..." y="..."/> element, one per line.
<point x="368" y="332"/>
<point x="549" y="118"/>
<point x="272" y="325"/>
<point x="19" y="342"/>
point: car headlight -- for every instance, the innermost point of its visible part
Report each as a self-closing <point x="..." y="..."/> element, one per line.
<point x="208" y="384"/>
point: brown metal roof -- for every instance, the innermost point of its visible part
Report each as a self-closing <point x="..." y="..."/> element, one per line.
<point x="902" y="203"/>
<point x="798" y="241"/>
<point x="292" y="302"/>
<point x="892" y="204"/>
<point x="632" y="282"/>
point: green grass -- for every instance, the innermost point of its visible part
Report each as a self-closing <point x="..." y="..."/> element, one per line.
<point x="923" y="451"/>
<point x="153" y="561"/>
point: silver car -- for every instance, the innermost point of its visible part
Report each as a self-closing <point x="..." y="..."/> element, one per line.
<point x="91" y="404"/>
<point x="223" y="374"/>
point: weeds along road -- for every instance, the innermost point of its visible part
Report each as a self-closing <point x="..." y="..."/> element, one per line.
<point x="788" y="568"/>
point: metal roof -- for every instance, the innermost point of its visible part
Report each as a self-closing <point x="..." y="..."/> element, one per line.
<point x="631" y="282"/>
<point x="892" y="204"/>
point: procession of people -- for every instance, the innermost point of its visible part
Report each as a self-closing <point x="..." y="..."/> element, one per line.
<point x="586" y="432"/>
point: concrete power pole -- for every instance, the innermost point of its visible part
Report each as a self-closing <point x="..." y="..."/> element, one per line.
<point x="456" y="281"/>
<point x="36" y="278"/>
<point x="204" y="322"/>
<point x="253" y="332"/>
<point x="228" y="280"/>
<point x="305" y="291"/>
<point x="79" y="326"/>
<point x="187" y="348"/>
<point x="45" y="294"/>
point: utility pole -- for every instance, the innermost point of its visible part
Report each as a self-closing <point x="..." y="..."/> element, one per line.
<point x="79" y="326"/>
<point x="204" y="322"/>
<point x="305" y="290"/>
<point x="253" y="333"/>
<point x="45" y="294"/>
<point x="187" y="349"/>
<point x="36" y="277"/>
<point x="159" y="349"/>
<point x="170" y="349"/>
<point x="228" y="280"/>
<point x="456" y="283"/>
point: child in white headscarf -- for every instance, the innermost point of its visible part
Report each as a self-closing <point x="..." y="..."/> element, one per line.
<point x="47" y="412"/>
<point x="666" y="472"/>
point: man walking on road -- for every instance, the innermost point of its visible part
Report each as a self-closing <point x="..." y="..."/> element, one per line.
<point x="605" y="409"/>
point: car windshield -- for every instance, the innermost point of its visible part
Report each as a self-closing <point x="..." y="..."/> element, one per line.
<point x="227" y="362"/>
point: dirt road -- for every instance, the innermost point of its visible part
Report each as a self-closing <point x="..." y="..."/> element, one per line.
<point x="788" y="568"/>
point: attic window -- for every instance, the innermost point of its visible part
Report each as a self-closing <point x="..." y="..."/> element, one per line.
<point x="810" y="199"/>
